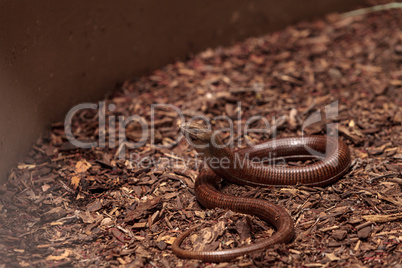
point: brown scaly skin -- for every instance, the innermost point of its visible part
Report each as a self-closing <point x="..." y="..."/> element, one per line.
<point x="333" y="165"/>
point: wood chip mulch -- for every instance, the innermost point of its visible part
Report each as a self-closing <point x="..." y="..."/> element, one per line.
<point x="66" y="206"/>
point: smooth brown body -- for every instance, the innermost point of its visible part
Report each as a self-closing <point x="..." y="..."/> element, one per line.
<point x="332" y="165"/>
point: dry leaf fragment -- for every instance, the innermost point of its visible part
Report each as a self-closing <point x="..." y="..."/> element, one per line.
<point x="200" y="214"/>
<point x="45" y="187"/>
<point x="243" y="229"/>
<point x="75" y="181"/>
<point x="106" y="222"/>
<point x="82" y="166"/>
<point x="168" y="239"/>
<point x="332" y="257"/>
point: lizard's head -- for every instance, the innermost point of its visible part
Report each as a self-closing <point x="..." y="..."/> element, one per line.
<point x="197" y="134"/>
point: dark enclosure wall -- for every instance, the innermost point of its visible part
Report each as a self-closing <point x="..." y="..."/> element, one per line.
<point x="55" y="54"/>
